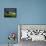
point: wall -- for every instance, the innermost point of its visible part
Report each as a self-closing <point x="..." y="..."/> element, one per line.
<point x="33" y="12"/>
<point x="7" y="25"/>
<point x="28" y="12"/>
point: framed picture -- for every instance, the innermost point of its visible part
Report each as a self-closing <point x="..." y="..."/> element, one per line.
<point x="10" y="12"/>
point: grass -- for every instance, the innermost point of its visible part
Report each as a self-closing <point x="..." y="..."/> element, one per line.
<point x="11" y="14"/>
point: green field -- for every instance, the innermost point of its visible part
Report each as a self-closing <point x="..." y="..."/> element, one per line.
<point x="11" y="14"/>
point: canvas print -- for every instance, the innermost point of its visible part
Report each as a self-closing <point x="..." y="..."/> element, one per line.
<point x="33" y="32"/>
<point x="10" y="12"/>
<point x="32" y="35"/>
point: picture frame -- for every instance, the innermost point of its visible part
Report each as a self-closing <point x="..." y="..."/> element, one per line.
<point x="10" y="12"/>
